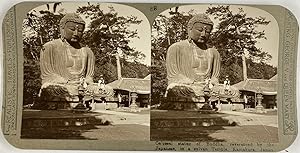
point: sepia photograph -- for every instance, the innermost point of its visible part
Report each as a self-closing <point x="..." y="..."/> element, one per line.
<point x="86" y="72"/>
<point x="214" y="74"/>
<point x="134" y="76"/>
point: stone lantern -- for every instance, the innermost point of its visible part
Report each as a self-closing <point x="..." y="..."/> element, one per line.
<point x="133" y="106"/>
<point x="259" y="107"/>
<point x="207" y="95"/>
<point x="81" y="94"/>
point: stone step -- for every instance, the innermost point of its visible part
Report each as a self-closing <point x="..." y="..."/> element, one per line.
<point x="52" y="122"/>
<point x="190" y="122"/>
<point x="61" y="118"/>
<point x="61" y="122"/>
<point x="177" y="119"/>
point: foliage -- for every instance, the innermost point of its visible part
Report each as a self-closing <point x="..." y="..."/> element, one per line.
<point x="260" y="70"/>
<point x="236" y="35"/>
<point x="129" y="70"/>
<point x="107" y="34"/>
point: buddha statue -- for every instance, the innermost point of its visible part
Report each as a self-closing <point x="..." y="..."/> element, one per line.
<point x="192" y="66"/>
<point x="66" y="66"/>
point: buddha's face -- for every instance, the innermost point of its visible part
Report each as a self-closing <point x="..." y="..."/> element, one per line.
<point x="200" y="32"/>
<point x="73" y="31"/>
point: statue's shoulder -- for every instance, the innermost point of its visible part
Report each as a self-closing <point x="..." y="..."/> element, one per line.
<point x="87" y="49"/>
<point x="214" y="51"/>
<point x="52" y="43"/>
<point x="179" y="45"/>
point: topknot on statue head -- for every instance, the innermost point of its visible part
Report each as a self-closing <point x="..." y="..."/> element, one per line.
<point x="199" y="18"/>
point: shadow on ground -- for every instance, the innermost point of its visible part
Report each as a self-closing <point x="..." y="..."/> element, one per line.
<point x="185" y="134"/>
<point x="248" y="134"/>
<point x="57" y="133"/>
<point x="215" y="127"/>
<point x="38" y="124"/>
<point x="59" y="124"/>
<point x="186" y="125"/>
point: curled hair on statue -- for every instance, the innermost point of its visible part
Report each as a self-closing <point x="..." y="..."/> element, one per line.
<point x="71" y="17"/>
<point x="200" y="18"/>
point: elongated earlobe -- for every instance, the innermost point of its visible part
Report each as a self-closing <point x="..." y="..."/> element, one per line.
<point x="189" y="34"/>
<point x="62" y="34"/>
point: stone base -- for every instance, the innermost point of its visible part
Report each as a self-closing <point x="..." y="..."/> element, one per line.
<point x="134" y="108"/>
<point x="189" y="122"/>
<point x="60" y="118"/>
<point x="52" y="105"/>
<point x="206" y="107"/>
<point x="179" y="104"/>
<point x="80" y="108"/>
<point x="178" y="119"/>
<point x="172" y="121"/>
<point x="260" y="109"/>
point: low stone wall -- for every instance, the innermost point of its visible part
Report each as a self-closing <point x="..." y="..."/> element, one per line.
<point x="232" y="107"/>
<point x="104" y="106"/>
<point x="111" y="106"/>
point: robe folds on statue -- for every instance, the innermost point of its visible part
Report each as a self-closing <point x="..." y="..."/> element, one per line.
<point x="62" y="67"/>
<point x="189" y="68"/>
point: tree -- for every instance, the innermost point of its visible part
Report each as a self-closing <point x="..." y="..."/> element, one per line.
<point x="237" y="35"/>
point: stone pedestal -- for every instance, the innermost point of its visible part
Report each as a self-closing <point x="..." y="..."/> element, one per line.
<point x="182" y="124"/>
<point x="259" y="109"/>
<point x="207" y="95"/>
<point x="80" y="106"/>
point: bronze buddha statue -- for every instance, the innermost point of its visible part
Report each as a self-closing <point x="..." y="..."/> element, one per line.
<point x="66" y="65"/>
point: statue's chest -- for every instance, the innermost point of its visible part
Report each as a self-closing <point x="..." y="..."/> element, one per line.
<point x="202" y="58"/>
<point x="75" y="60"/>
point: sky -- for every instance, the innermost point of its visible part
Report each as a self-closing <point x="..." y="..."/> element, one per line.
<point x="143" y="43"/>
<point x="270" y="45"/>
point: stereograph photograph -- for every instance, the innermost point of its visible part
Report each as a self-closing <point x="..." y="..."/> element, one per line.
<point x="86" y="72"/>
<point x="215" y="74"/>
<point x="137" y="76"/>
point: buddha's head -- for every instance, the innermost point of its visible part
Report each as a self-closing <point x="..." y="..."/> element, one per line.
<point x="199" y="28"/>
<point x="71" y="28"/>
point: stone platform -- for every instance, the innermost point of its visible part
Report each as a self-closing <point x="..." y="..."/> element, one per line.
<point x="183" y="119"/>
<point x="60" y="118"/>
<point x="174" y="125"/>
